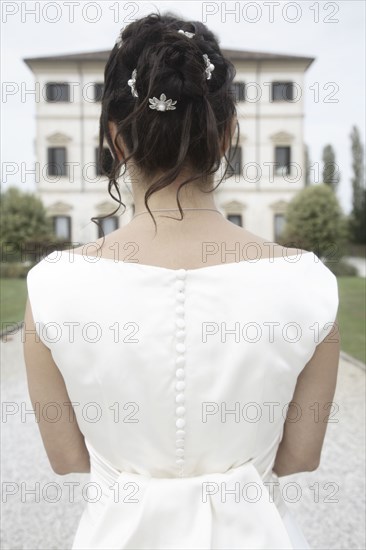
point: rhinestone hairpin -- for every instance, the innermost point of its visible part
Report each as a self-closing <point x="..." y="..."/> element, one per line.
<point x="162" y="104"/>
<point x="209" y="66"/>
<point x="189" y="34"/>
<point x="132" y="83"/>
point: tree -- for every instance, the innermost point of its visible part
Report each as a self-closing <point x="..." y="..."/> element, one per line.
<point x="331" y="175"/>
<point x="307" y="163"/>
<point x="315" y="222"/>
<point x="24" y="224"/>
<point x="357" y="219"/>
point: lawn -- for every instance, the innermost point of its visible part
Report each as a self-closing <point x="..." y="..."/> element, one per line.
<point x="351" y="313"/>
<point x="351" y="316"/>
<point x="13" y="297"/>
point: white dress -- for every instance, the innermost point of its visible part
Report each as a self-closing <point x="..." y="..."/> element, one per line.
<point x="180" y="380"/>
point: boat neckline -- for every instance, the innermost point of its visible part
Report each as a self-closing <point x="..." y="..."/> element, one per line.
<point x="270" y="259"/>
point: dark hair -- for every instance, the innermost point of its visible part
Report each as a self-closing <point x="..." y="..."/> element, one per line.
<point x="189" y="136"/>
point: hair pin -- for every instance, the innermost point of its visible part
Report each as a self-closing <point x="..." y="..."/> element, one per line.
<point x="132" y="83"/>
<point x="189" y="34"/>
<point x="209" y="66"/>
<point x="162" y="104"/>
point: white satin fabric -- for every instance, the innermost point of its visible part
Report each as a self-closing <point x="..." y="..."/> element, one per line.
<point x="216" y="510"/>
<point x="179" y="381"/>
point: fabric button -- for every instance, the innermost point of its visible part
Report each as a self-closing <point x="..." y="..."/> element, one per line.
<point x="180" y="385"/>
<point x="180" y="334"/>
<point x="180" y="361"/>
<point x="181" y="348"/>
<point x="180" y="323"/>
<point x="181" y="273"/>
<point x="179" y="285"/>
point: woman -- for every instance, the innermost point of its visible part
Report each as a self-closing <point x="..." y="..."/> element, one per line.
<point x="191" y="350"/>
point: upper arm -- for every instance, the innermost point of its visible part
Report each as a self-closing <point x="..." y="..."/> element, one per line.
<point x="62" y="438"/>
<point x="306" y="421"/>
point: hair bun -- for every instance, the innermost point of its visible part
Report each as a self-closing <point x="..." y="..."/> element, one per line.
<point x="179" y="69"/>
<point x="171" y="63"/>
<point x="175" y="55"/>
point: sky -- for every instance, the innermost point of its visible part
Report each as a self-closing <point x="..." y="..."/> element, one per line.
<point x="331" y="32"/>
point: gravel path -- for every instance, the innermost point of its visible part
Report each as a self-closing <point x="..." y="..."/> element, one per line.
<point x="332" y="516"/>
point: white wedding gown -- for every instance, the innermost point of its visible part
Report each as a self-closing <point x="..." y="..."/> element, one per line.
<point x="180" y="380"/>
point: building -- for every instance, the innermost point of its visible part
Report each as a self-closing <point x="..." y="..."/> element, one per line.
<point x="266" y="172"/>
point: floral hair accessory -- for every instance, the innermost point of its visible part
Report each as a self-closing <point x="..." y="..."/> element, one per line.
<point x="132" y="83"/>
<point x="189" y="34"/>
<point x="162" y="104"/>
<point x="209" y="66"/>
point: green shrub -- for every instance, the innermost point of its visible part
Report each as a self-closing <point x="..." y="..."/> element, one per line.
<point x="341" y="268"/>
<point x="14" y="270"/>
<point x="24" y="225"/>
<point x="315" y="222"/>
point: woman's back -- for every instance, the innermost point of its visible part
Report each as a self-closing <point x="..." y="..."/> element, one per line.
<point x="185" y="374"/>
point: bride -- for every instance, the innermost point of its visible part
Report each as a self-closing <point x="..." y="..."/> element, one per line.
<point x="202" y="361"/>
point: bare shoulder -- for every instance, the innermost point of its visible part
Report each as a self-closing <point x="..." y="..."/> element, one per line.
<point x="254" y="246"/>
<point x="93" y="248"/>
<point x="251" y="246"/>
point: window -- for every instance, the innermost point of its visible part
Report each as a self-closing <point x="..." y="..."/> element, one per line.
<point x="235" y="218"/>
<point x="234" y="167"/>
<point x="62" y="227"/>
<point x="107" y="161"/>
<point x="282" y="161"/>
<point x="57" y="161"/>
<point x="109" y="224"/>
<point x="57" y="91"/>
<point x="98" y="91"/>
<point x="282" y="91"/>
<point x="238" y="91"/>
<point x="279" y="224"/>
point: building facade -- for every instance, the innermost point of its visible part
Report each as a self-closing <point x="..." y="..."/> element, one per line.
<point x="266" y="171"/>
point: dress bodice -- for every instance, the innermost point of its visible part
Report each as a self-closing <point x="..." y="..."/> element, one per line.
<point x="180" y="373"/>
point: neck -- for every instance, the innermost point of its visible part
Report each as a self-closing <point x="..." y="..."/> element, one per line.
<point x="190" y="197"/>
<point x="169" y="210"/>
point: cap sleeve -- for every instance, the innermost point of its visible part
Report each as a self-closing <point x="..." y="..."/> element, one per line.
<point x="38" y="287"/>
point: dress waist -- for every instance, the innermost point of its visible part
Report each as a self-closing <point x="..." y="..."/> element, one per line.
<point x="235" y="509"/>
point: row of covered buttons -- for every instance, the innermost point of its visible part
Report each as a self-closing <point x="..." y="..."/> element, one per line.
<point x="180" y="365"/>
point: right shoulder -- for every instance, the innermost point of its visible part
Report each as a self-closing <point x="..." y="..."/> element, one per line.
<point x="47" y="266"/>
<point x="254" y="246"/>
